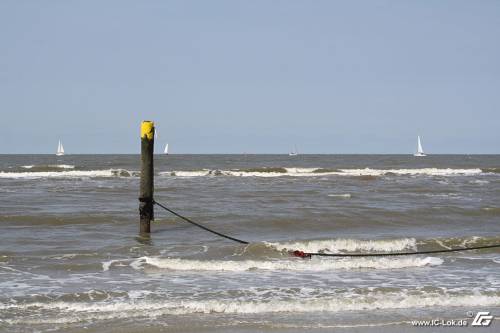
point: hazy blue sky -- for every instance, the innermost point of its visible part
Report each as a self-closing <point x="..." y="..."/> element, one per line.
<point x="250" y="76"/>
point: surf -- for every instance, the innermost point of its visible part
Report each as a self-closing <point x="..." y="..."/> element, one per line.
<point x="319" y="172"/>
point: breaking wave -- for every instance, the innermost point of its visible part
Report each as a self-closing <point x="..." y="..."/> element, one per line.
<point x="346" y="245"/>
<point x="47" y="167"/>
<point x="277" y="257"/>
<point x="343" y="195"/>
<point x="314" y="264"/>
<point x="315" y="172"/>
<point x="69" y="312"/>
<point x="349" y="245"/>
<point x="70" y="171"/>
<point x="69" y="174"/>
<point x="491" y="170"/>
<point x="458" y="242"/>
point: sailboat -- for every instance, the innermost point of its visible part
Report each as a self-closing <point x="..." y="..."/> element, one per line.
<point x="166" y="149"/>
<point x="420" y="150"/>
<point x="293" y="152"/>
<point x="60" y="149"/>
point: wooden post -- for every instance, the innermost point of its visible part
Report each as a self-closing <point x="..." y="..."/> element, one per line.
<point x="146" y="211"/>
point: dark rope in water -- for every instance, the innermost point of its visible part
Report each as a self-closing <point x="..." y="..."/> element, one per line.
<point x="308" y="254"/>
<point x="303" y="254"/>
<point x="199" y="225"/>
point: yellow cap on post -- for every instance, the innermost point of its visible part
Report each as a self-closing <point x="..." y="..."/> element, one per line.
<point x="148" y="130"/>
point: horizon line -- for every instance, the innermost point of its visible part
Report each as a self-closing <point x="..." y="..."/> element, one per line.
<point x="279" y="154"/>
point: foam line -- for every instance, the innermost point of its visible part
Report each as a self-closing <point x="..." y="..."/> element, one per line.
<point x="314" y="264"/>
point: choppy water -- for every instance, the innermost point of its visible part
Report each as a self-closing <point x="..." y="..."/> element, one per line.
<point x="70" y="258"/>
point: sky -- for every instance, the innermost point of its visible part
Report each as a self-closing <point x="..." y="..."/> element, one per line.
<point x="250" y="76"/>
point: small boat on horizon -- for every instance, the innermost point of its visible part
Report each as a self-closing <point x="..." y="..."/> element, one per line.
<point x="294" y="152"/>
<point x="420" y="150"/>
<point x="166" y="149"/>
<point x="60" y="149"/>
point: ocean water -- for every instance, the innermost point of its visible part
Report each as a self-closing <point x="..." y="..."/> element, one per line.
<point x="71" y="259"/>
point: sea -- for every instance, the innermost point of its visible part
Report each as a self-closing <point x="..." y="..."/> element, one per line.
<point x="72" y="258"/>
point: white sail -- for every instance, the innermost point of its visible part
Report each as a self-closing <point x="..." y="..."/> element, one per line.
<point x="60" y="149"/>
<point x="420" y="150"/>
<point x="166" y="149"/>
<point x="419" y="146"/>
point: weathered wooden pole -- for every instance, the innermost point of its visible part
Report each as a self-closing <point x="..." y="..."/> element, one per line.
<point x="146" y="211"/>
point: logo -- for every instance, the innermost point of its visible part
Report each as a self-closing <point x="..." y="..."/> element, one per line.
<point x="483" y="318"/>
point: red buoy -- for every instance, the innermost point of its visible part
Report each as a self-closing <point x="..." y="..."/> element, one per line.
<point x="301" y="254"/>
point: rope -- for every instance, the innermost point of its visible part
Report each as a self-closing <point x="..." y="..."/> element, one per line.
<point x="303" y="254"/>
<point x="309" y="254"/>
<point x="199" y="225"/>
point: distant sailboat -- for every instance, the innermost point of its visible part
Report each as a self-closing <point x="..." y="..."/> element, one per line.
<point x="166" y="149"/>
<point x="294" y="152"/>
<point x="60" y="149"/>
<point x="420" y="150"/>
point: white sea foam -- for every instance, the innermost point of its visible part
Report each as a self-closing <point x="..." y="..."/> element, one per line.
<point x="479" y="182"/>
<point x="55" y="166"/>
<point x="344" y="195"/>
<point x="345" y="244"/>
<point x="315" y="172"/>
<point x="62" y="166"/>
<point x="199" y="173"/>
<point x="107" y="264"/>
<point x="68" y="174"/>
<point x="77" y="311"/>
<point x="414" y="172"/>
<point x="314" y="264"/>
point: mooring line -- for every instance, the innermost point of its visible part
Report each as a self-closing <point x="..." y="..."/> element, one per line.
<point x="309" y="254"/>
<point x="199" y="225"/>
<point x="303" y="254"/>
